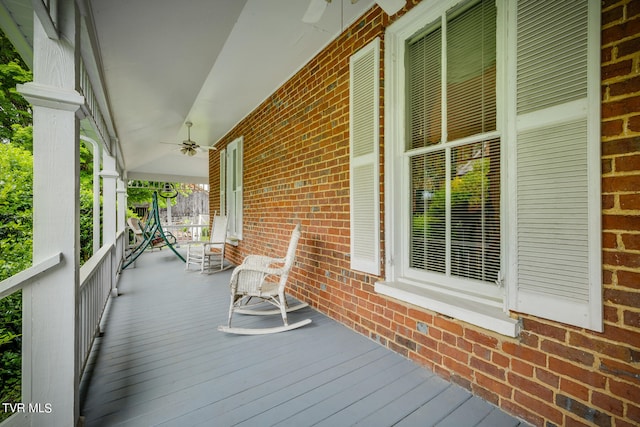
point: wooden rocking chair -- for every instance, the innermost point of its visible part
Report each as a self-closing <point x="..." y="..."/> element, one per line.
<point x="206" y="255"/>
<point x="251" y="280"/>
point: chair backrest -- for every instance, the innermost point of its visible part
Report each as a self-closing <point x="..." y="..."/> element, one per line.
<point x="219" y="232"/>
<point x="134" y="224"/>
<point x="290" y="257"/>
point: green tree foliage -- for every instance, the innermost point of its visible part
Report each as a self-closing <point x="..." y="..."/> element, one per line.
<point x="16" y="224"/>
<point x="143" y="196"/>
<point x="86" y="203"/>
<point x="14" y="109"/>
<point x="16" y="176"/>
<point x="15" y="212"/>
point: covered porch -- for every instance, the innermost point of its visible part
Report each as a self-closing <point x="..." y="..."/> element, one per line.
<point x="162" y="361"/>
<point x="271" y="94"/>
<point x="131" y="101"/>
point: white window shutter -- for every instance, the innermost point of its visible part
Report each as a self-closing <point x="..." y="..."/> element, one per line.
<point x="364" y="114"/>
<point x="239" y="188"/>
<point x="223" y="182"/>
<point x="234" y="187"/>
<point x="557" y="268"/>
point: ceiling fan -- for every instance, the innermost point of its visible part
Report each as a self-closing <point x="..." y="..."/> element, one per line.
<point x="189" y="147"/>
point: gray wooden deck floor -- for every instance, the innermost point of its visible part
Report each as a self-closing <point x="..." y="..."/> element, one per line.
<point x="162" y="362"/>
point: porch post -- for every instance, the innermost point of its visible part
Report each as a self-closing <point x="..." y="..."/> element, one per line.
<point x="109" y="211"/>
<point x="109" y="177"/>
<point x="121" y="190"/>
<point x="50" y="378"/>
<point x="121" y="196"/>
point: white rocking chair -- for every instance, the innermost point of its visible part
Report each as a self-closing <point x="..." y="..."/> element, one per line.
<point x="209" y="254"/>
<point x="251" y="281"/>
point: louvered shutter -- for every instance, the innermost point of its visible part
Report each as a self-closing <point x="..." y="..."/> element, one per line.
<point x="223" y="182"/>
<point x="234" y="187"/>
<point x="557" y="267"/>
<point x="364" y="158"/>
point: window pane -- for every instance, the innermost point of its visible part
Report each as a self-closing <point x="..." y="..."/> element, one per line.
<point x="471" y="71"/>
<point x="428" y="212"/>
<point x="424" y="71"/>
<point x="475" y="210"/>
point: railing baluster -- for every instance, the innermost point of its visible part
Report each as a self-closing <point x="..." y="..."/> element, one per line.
<point x="95" y="289"/>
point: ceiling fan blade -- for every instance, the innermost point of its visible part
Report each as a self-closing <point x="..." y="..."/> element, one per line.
<point x="315" y="10"/>
<point x="390" y="7"/>
<point x="189" y="147"/>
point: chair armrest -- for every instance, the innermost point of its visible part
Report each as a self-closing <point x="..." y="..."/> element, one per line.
<point x="263" y="266"/>
<point x="257" y="266"/>
<point x="207" y="244"/>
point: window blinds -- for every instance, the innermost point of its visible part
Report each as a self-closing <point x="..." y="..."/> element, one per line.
<point x="455" y="185"/>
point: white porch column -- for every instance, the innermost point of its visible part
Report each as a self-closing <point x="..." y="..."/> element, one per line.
<point x="109" y="176"/>
<point x="121" y="196"/>
<point x="109" y="211"/>
<point x="121" y="190"/>
<point x="50" y="304"/>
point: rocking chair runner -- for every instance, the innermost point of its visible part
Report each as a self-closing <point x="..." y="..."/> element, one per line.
<point x="208" y="254"/>
<point x="251" y="281"/>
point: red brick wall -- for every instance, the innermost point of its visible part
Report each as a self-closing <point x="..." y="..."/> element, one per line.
<point x="296" y="164"/>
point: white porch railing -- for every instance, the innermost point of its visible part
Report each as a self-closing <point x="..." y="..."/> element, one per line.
<point x="186" y="232"/>
<point x="25" y="277"/>
<point x="18" y="282"/>
<point x="98" y="277"/>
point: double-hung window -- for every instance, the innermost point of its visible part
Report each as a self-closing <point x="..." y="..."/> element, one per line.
<point x="452" y="148"/>
<point x="491" y="115"/>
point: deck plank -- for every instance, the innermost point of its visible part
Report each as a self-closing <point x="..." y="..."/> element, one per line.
<point x="162" y="361"/>
<point x="437" y="408"/>
<point x="472" y="411"/>
<point x="382" y="397"/>
<point x="395" y="411"/>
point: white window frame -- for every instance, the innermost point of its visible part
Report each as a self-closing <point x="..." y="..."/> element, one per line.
<point x="489" y="310"/>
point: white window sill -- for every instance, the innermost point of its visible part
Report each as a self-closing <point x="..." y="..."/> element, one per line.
<point x="474" y="312"/>
<point x="232" y="240"/>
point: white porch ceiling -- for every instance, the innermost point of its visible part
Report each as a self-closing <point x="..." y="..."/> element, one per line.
<point x="211" y="62"/>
